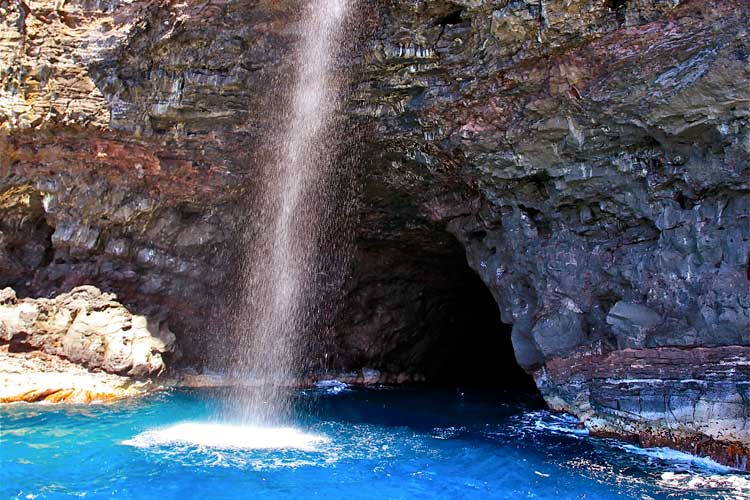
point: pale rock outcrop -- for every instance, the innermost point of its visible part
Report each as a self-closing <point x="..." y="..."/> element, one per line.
<point x="36" y="377"/>
<point x="87" y="327"/>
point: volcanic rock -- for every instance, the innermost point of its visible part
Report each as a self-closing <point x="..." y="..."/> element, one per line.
<point x="588" y="160"/>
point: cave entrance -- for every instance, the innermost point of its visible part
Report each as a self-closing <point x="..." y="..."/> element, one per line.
<point x="474" y="348"/>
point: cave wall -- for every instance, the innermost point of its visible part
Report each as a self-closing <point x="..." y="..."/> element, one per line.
<point x="135" y="132"/>
<point x="591" y="157"/>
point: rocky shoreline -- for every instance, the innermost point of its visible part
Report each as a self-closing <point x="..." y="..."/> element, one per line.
<point x="690" y="399"/>
<point x="36" y="377"/>
<point x="85" y="347"/>
<point x="79" y="347"/>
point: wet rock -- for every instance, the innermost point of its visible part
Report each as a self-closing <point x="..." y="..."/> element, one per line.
<point x="370" y="376"/>
<point x="89" y="328"/>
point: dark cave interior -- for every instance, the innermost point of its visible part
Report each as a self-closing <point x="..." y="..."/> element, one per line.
<point x="477" y="351"/>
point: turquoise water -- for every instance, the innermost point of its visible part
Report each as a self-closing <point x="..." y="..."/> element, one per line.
<point x="348" y="444"/>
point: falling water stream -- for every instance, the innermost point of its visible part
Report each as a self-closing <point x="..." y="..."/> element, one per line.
<point x="280" y="299"/>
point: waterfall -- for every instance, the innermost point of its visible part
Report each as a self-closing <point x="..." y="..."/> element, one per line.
<point x="281" y="298"/>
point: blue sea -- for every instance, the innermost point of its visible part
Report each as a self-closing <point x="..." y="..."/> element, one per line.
<point x="341" y="443"/>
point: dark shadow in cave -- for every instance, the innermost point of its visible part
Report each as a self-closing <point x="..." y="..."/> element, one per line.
<point x="476" y="351"/>
<point x="25" y="239"/>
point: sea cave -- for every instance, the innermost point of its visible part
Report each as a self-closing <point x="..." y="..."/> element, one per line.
<point x="370" y="249"/>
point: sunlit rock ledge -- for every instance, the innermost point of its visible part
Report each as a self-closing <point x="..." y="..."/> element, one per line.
<point x="79" y="347"/>
<point x="89" y="328"/>
<point x="36" y="377"/>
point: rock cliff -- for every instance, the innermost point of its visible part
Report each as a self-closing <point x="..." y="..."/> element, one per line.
<point x="589" y="159"/>
<point x="604" y="149"/>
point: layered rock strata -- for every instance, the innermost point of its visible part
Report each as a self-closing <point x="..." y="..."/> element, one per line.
<point x="694" y="399"/>
<point x="604" y="151"/>
<point x="590" y="157"/>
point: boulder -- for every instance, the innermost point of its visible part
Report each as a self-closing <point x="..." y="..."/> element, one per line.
<point x="88" y="327"/>
<point x="630" y="322"/>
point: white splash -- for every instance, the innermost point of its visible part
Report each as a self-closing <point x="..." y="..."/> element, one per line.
<point x="229" y="437"/>
<point x="332" y="386"/>
<point x="669" y="455"/>
<point x="738" y="485"/>
<point x="557" y="423"/>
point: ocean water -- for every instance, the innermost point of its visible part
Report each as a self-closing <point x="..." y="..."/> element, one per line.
<point x="340" y="443"/>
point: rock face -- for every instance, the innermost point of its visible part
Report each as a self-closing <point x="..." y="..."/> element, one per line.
<point x="694" y="399"/>
<point x="605" y="150"/>
<point x="89" y="328"/>
<point x="591" y="158"/>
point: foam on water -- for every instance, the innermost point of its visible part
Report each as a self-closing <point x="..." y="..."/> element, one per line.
<point x="229" y="437"/>
<point x="737" y="485"/>
<point x="263" y="449"/>
<point x="558" y="423"/>
<point x="332" y="386"/>
<point x="671" y="456"/>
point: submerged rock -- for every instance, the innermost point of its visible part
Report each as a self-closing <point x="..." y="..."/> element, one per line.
<point x="89" y="328"/>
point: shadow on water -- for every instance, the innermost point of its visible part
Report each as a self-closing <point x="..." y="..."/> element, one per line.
<point x="416" y="406"/>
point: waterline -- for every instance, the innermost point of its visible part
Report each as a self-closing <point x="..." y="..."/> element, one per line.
<point x="397" y="443"/>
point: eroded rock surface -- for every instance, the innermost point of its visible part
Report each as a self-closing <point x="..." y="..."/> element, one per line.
<point x="695" y="398"/>
<point x="591" y="157"/>
<point x="89" y="328"/>
<point x="33" y="377"/>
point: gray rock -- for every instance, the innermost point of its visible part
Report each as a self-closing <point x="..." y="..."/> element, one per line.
<point x="631" y="323"/>
<point x="558" y="334"/>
